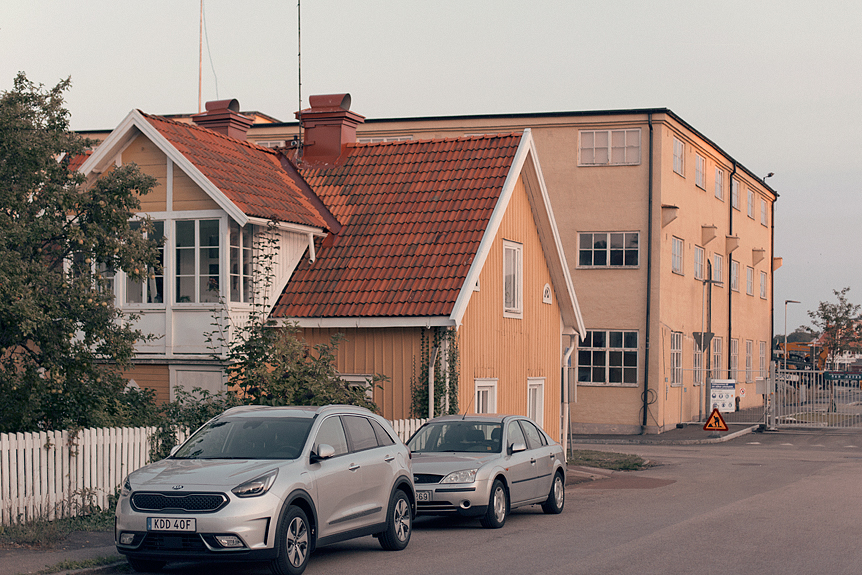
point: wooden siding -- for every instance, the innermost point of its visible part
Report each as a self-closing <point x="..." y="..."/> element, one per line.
<point x="512" y="350"/>
<point x="188" y="196"/>
<point x="388" y="352"/>
<point x="152" y="376"/>
<point x="151" y="160"/>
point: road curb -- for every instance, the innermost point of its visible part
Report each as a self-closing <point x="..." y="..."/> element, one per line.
<point x="657" y="440"/>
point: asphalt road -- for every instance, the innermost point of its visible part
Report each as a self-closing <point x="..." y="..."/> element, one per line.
<point x="786" y="502"/>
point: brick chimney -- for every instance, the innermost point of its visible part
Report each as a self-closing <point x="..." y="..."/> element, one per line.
<point x="327" y="125"/>
<point x="223" y="116"/>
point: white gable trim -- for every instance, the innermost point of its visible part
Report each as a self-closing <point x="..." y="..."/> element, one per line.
<point x="128" y="129"/>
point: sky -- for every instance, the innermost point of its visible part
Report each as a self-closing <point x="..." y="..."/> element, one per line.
<point x="777" y="85"/>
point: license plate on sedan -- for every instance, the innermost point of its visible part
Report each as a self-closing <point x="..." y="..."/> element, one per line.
<point x="171" y="524"/>
<point x="423" y="496"/>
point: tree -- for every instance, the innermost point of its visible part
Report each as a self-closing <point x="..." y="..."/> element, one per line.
<point x="838" y="323"/>
<point x="62" y="341"/>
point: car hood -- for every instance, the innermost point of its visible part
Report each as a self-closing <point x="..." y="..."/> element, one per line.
<point x="207" y="473"/>
<point x="443" y="463"/>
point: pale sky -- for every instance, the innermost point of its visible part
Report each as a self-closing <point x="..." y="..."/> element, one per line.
<point x="776" y="84"/>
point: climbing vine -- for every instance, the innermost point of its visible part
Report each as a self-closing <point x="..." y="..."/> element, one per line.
<point x="442" y="344"/>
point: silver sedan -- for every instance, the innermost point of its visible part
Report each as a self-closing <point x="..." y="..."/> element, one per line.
<point x="486" y="465"/>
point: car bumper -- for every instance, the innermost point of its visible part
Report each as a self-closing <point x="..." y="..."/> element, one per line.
<point x="467" y="500"/>
<point x="252" y="521"/>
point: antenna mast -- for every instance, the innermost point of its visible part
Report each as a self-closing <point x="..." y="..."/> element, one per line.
<point x="299" y="74"/>
<point x="200" y="57"/>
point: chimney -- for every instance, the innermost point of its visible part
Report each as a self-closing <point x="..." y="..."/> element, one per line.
<point x="328" y="125"/>
<point x="223" y="116"/>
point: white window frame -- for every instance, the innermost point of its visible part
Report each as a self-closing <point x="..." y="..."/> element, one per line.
<point x="485" y="395"/>
<point x="513" y="266"/>
<point x="699" y="171"/>
<point x="762" y="285"/>
<point x="679" y="156"/>
<point x="677" y="249"/>
<point x="719" y="184"/>
<point x="717" y="264"/>
<point x="717" y="367"/>
<point x="764" y="216"/>
<point x="360" y="380"/>
<point x="699" y="263"/>
<point x="734" y="358"/>
<point x="676" y="358"/>
<point x="750" y="203"/>
<point x="734" y="275"/>
<point x="536" y="400"/>
<point x="145" y="285"/>
<point x="749" y="359"/>
<point x="762" y="345"/>
<point x="609" y="147"/>
<point x="610" y="250"/>
<point x="615" y="357"/>
<point x="197" y="248"/>
<point x="697" y="364"/>
<point x="244" y="270"/>
<point x="734" y="193"/>
<point x="749" y="280"/>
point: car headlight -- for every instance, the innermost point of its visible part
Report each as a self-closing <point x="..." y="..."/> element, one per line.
<point x="466" y="476"/>
<point x="127" y="486"/>
<point x="256" y="486"/>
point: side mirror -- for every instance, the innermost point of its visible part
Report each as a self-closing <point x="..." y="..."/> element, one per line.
<point x="517" y="448"/>
<point x="324" y="451"/>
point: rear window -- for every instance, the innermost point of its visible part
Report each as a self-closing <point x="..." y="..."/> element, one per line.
<point x="248" y="438"/>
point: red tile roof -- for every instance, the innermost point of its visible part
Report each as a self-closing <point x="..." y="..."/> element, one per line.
<point x="413" y="215"/>
<point x="249" y="175"/>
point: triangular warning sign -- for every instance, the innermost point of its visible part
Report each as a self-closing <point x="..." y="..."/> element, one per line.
<point x="715" y="422"/>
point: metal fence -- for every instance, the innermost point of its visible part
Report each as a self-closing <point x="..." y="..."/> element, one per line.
<point x="814" y="399"/>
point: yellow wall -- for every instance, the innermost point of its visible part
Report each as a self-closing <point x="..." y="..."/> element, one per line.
<point x="151" y="160"/>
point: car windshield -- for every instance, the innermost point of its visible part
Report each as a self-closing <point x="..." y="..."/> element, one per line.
<point x="248" y="438"/>
<point x="469" y="436"/>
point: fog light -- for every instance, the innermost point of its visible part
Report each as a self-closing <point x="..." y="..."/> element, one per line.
<point x="126" y="538"/>
<point x="229" y="541"/>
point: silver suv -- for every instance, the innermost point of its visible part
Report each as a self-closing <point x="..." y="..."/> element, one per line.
<point x="269" y="483"/>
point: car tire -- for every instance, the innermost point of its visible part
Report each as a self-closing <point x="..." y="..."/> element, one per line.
<point x="293" y="543"/>
<point x="145" y="565"/>
<point x="399" y="523"/>
<point x="557" y="497"/>
<point x="498" y="507"/>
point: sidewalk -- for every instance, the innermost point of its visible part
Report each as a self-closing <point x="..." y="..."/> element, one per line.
<point x="79" y="546"/>
<point x="687" y="435"/>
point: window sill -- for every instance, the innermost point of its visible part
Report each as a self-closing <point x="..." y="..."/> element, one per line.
<point x="610" y="385"/>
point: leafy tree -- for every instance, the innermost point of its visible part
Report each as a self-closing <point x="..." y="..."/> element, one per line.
<point x="62" y="341"/>
<point x="839" y="323"/>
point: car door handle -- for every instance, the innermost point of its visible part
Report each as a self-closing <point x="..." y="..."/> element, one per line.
<point x="532" y="461"/>
<point x="353" y="467"/>
<point x="388" y="458"/>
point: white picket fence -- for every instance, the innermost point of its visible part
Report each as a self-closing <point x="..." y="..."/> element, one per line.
<point x="47" y="475"/>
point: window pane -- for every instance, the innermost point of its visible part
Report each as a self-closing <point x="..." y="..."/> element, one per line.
<point x="185" y="262"/>
<point x="185" y="234"/>
<point x="185" y="289"/>
<point x="209" y="233"/>
<point x="616" y="339"/>
<point x="599" y="339"/>
<point x="631" y="340"/>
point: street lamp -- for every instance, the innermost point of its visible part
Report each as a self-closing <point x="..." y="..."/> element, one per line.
<point x="787" y="301"/>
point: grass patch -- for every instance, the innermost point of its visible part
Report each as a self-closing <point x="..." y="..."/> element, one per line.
<point x="84" y="564"/>
<point x="607" y="460"/>
<point x="44" y="533"/>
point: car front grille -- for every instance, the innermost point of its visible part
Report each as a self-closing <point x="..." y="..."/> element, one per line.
<point x="426" y="478"/>
<point x="173" y="542"/>
<point x="189" y="502"/>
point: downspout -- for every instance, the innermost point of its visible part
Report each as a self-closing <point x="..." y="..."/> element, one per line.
<point x="649" y="279"/>
<point x="730" y="291"/>
<point x="564" y="435"/>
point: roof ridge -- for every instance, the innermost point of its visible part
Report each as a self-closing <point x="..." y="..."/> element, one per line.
<point x="194" y="126"/>
<point x="438" y="140"/>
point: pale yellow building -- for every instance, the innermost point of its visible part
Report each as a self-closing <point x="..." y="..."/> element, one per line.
<point x="646" y="206"/>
